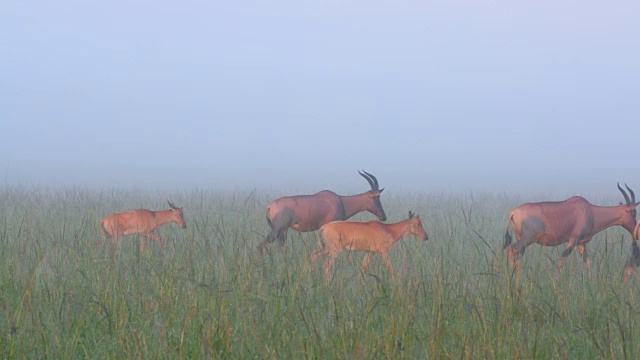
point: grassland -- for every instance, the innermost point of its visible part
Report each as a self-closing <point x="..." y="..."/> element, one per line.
<point x="208" y="294"/>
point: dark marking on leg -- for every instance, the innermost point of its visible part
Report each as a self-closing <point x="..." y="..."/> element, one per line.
<point x="567" y="252"/>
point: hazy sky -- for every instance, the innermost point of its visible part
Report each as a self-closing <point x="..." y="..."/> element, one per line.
<point x="427" y="95"/>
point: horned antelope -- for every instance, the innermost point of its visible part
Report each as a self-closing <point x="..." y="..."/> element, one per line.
<point x="142" y="222"/>
<point x="309" y="212"/>
<point x="573" y="221"/>
<point x="371" y="236"/>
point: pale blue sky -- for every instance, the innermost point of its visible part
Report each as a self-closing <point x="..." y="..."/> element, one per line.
<point x="426" y="95"/>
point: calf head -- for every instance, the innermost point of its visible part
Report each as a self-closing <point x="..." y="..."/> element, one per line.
<point x="415" y="227"/>
<point x="177" y="215"/>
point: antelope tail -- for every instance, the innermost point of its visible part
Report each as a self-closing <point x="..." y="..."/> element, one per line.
<point x="507" y="234"/>
<point x="321" y="238"/>
<point x="105" y="233"/>
<point x="268" y="218"/>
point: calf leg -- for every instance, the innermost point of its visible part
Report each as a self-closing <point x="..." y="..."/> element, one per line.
<point x="104" y="235"/>
<point x="387" y="262"/>
<point x="365" y="262"/>
<point x="115" y="240"/>
<point x="141" y="240"/>
<point x="327" y="265"/>
<point x="320" y="253"/>
<point x="150" y="235"/>
<point x="324" y="250"/>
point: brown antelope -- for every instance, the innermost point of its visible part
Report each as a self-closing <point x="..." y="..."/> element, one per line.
<point x="142" y="222"/>
<point x="309" y="212"/>
<point x="371" y="236"/>
<point x="573" y="221"/>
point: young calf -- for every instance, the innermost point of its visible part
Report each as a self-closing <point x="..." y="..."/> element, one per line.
<point x="371" y="236"/>
<point x="142" y="222"/>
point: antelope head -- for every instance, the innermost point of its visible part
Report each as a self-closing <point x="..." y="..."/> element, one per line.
<point x="373" y="204"/>
<point x="629" y="217"/>
<point x="415" y="227"/>
<point x="177" y="215"/>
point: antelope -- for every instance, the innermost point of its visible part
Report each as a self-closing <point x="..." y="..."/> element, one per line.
<point x="573" y="221"/>
<point x="306" y="213"/>
<point x="371" y="236"/>
<point x="142" y="222"/>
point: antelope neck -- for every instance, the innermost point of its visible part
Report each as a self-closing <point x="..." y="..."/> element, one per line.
<point x="162" y="216"/>
<point x="353" y="204"/>
<point x="398" y="230"/>
<point x="606" y="216"/>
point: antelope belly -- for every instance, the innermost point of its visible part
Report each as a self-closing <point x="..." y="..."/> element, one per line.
<point x="354" y="246"/>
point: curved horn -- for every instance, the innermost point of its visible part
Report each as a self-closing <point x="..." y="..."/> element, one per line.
<point x="375" y="185"/>
<point x="371" y="183"/>
<point x="633" y="196"/>
<point x="374" y="179"/>
<point x="626" y="197"/>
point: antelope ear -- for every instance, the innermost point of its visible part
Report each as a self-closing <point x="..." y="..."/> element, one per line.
<point x="620" y="203"/>
<point x="381" y="190"/>
<point x="410" y="214"/>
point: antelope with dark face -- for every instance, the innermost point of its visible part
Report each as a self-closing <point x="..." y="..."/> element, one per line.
<point x="142" y="222"/>
<point x="309" y="212"/>
<point x="371" y="236"/>
<point x="573" y="221"/>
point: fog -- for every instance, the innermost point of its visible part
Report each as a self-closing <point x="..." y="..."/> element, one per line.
<point x="447" y="96"/>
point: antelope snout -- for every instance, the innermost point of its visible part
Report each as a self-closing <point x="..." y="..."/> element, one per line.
<point x="184" y="226"/>
<point x="426" y="237"/>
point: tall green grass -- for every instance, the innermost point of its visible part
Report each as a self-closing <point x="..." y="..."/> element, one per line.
<point x="208" y="293"/>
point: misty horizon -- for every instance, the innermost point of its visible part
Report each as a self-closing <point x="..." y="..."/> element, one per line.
<point x="429" y="97"/>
